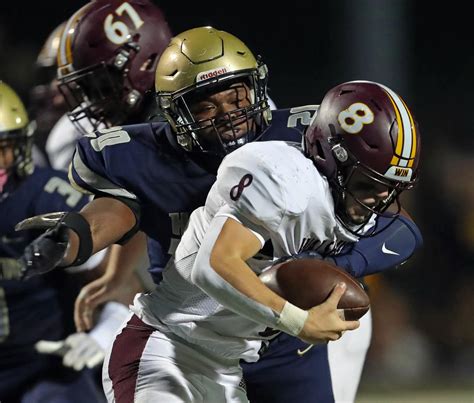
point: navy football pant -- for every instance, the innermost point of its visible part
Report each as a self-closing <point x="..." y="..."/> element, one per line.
<point x="325" y="373"/>
<point x="282" y="375"/>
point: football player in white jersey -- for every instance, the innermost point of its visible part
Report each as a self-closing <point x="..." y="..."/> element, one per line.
<point x="211" y="310"/>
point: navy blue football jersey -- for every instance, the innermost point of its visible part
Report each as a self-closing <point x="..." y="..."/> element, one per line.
<point x="143" y="162"/>
<point x="30" y="310"/>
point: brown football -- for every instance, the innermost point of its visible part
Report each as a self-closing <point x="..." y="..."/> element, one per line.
<point x="309" y="282"/>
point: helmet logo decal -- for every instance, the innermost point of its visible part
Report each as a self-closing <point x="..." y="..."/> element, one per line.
<point x="117" y="31"/>
<point x="399" y="174"/>
<point x="340" y="153"/>
<point x="353" y="119"/>
<point x="204" y="75"/>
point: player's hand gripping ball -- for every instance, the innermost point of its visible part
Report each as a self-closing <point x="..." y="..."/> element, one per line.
<point x="308" y="282"/>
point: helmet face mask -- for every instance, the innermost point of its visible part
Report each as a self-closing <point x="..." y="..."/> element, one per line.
<point x="206" y="123"/>
<point x="362" y="193"/>
<point x="365" y="140"/>
<point x="16" y="137"/>
<point x="16" y="151"/>
<point x="217" y="102"/>
<point x="94" y="96"/>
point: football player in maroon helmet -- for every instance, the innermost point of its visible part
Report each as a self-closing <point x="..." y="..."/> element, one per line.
<point x="107" y="59"/>
<point x="365" y="140"/>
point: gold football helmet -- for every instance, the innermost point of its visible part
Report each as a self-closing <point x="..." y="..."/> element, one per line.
<point x="15" y="131"/>
<point x="203" y="61"/>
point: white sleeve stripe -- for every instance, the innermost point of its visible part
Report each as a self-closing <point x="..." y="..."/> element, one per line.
<point x="260" y="237"/>
<point x="98" y="182"/>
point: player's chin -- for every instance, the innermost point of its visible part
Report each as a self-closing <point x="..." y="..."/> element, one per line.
<point x="358" y="217"/>
<point x="234" y="133"/>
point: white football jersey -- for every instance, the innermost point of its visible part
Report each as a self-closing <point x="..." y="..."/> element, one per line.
<point x="276" y="192"/>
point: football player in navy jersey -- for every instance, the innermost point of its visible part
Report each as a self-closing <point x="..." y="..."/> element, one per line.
<point x="151" y="176"/>
<point x="34" y="309"/>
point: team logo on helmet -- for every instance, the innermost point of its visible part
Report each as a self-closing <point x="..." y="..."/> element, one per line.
<point x="399" y="173"/>
<point x="205" y="75"/>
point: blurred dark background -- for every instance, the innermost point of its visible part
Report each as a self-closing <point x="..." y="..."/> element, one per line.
<point x="423" y="312"/>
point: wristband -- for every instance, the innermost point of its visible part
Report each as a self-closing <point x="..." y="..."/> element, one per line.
<point x="292" y="319"/>
<point x="81" y="227"/>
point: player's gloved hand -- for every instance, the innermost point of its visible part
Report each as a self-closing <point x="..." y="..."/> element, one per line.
<point x="48" y="250"/>
<point x="78" y="350"/>
<point x="324" y="322"/>
<point x="44" y="253"/>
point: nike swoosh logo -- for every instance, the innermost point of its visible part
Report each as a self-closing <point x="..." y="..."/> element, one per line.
<point x="304" y="351"/>
<point x="388" y="251"/>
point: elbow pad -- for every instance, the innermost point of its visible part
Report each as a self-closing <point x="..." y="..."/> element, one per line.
<point x="386" y="250"/>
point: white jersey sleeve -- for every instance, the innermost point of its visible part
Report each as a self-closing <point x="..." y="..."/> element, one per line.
<point x="206" y="278"/>
<point x="255" y="186"/>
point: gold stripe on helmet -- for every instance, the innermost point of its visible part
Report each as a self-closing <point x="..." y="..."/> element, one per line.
<point x="65" y="46"/>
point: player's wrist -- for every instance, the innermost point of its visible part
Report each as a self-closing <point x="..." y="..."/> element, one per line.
<point x="292" y="319"/>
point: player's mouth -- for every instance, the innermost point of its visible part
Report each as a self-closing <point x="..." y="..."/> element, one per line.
<point x="357" y="214"/>
<point x="232" y="134"/>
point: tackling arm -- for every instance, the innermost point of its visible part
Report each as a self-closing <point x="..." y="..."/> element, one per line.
<point x="109" y="220"/>
<point x="386" y="250"/>
<point x="73" y="238"/>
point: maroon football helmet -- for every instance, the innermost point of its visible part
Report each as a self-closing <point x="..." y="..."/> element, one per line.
<point x="107" y="59"/>
<point x="364" y="127"/>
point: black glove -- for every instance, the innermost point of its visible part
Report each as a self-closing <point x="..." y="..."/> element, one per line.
<point x="44" y="253"/>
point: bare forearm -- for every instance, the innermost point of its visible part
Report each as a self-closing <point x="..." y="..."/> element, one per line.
<point x="124" y="259"/>
<point x="109" y="220"/>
